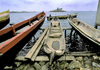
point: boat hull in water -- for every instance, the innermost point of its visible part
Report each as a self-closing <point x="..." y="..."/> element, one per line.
<point x="54" y="41"/>
<point x="13" y="38"/>
<point x="4" y="18"/>
<point x="62" y="17"/>
<point x="90" y="34"/>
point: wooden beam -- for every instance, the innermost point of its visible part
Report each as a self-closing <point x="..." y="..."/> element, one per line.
<point x="45" y="58"/>
<point x="81" y="54"/>
<point x="37" y="51"/>
<point x="29" y="55"/>
<point x="66" y="28"/>
<point x="62" y="28"/>
<point x="42" y="28"/>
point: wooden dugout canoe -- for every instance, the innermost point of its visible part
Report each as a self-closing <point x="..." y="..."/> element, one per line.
<point x="10" y="36"/>
<point x="14" y="38"/>
<point x="4" y="18"/>
<point x="62" y="17"/>
<point x="54" y="43"/>
<point x="90" y="33"/>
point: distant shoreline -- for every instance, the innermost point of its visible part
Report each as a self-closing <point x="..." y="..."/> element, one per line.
<point x="22" y="11"/>
<point x="58" y="11"/>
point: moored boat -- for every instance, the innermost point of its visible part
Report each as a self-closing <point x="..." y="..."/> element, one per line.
<point x="88" y="32"/>
<point x="12" y="38"/>
<point x="54" y="43"/>
<point x="62" y="17"/>
<point x="4" y="18"/>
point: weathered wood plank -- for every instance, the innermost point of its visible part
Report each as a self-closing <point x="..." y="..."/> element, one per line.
<point x="20" y="58"/>
<point x="42" y="28"/>
<point x="33" y="49"/>
<point x="81" y="54"/>
<point x="37" y="51"/>
<point x="62" y="28"/>
<point x="68" y="58"/>
<point x="66" y="28"/>
<point x="45" y="58"/>
<point x="22" y="29"/>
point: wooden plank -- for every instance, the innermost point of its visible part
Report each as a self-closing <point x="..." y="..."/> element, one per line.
<point x="45" y="58"/>
<point x="66" y="28"/>
<point x="81" y="54"/>
<point x="22" y="29"/>
<point x="42" y="58"/>
<point x="20" y="58"/>
<point x="68" y="58"/>
<point x="62" y="28"/>
<point x="42" y="28"/>
<point x="37" y="51"/>
<point x="33" y="49"/>
<point x="34" y="22"/>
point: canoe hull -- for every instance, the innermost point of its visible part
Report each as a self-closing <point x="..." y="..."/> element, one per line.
<point x="88" y="33"/>
<point x="4" y="23"/>
<point x="54" y="43"/>
<point x="62" y="17"/>
<point x="16" y="43"/>
<point x="4" y="18"/>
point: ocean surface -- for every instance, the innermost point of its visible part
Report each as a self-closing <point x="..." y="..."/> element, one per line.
<point x="88" y="17"/>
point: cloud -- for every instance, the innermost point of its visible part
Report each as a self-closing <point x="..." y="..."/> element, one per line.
<point x="47" y="5"/>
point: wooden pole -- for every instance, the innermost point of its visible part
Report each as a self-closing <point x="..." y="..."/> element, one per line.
<point x="97" y="22"/>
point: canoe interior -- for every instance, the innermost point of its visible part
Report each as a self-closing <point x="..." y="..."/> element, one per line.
<point x="27" y="29"/>
<point x="14" y="30"/>
<point x="55" y="40"/>
<point x="55" y="37"/>
<point x="8" y="57"/>
<point x="6" y="36"/>
<point x="54" y="43"/>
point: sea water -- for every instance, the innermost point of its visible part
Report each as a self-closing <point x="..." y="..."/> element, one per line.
<point x="88" y="17"/>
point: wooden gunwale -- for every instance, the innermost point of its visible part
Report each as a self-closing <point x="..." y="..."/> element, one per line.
<point x="11" y="42"/>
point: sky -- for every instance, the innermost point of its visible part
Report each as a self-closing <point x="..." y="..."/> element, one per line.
<point x="47" y="5"/>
